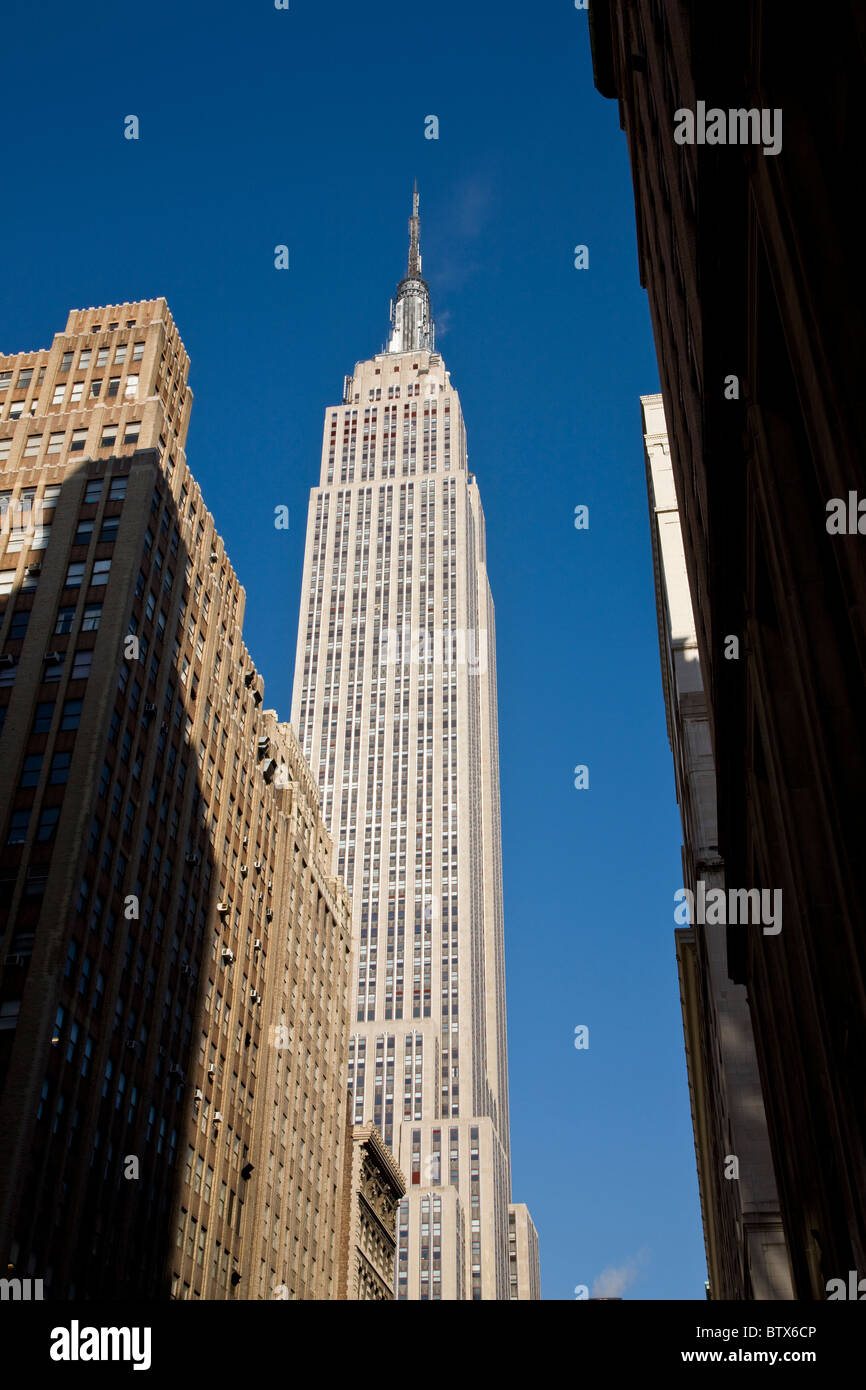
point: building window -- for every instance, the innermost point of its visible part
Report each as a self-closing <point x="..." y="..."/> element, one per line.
<point x="71" y="716"/>
<point x="81" y="665"/>
<point x="43" y="716"/>
<point x="108" y="534"/>
<point x="83" y="533"/>
<point x="18" y="828"/>
<point x="48" y="823"/>
<point x="79" y="439"/>
<point x="100" y="572"/>
<point x="117" y="489"/>
<point x="92" y="614"/>
<point x="59" y="772"/>
<point x="55" y="441"/>
<point x="93" y="491"/>
<point x="18" y="626"/>
<point x="31" y="770"/>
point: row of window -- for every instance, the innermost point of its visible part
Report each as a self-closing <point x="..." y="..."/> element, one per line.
<point x="57" y="438"/>
<point x="74" y="577"/>
<point x="82" y="664"/>
<point x="76" y="392"/>
<point x="25" y="375"/>
<point x="102" y="355"/>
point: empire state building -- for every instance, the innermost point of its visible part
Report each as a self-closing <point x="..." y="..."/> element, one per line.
<point x="394" y="702"/>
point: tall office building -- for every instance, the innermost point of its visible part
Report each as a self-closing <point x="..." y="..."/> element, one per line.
<point x="395" y="705"/>
<point x="174" y="952"/>
<point x="743" y="130"/>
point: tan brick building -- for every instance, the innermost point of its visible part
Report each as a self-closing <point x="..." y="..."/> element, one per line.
<point x="174" y="954"/>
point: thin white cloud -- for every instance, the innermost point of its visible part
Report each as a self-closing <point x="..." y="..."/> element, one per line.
<point x="613" y="1281"/>
<point x="468" y="219"/>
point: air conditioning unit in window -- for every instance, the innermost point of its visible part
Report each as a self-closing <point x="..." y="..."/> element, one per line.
<point x="164" y="727"/>
<point x="263" y="744"/>
<point x="131" y="1045"/>
<point x="269" y="767"/>
<point x="35" y="568"/>
<point x="222" y="907"/>
<point x="7" y="660"/>
<point x="53" y="656"/>
<point x="16" y="960"/>
<point x="257" y="944"/>
<point x="149" y="708"/>
<point x="270" y="914"/>
<point x="175" y="1070"/>
<point x="193" y="859"/>
<point x="199" y="1094"/>
<point x="245" y="868"/>
<point x="249" y="677"/>
<point x="257" y="864"/>
<point x="228" y="955"/>
<point x="218" y="1118"/>
<point x="211" y="1071"/>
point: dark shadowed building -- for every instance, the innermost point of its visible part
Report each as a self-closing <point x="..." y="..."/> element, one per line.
<point x="752" y="261"/>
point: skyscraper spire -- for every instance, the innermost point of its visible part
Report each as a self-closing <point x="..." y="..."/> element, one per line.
<point x="411" y="321"/>
<point x="414" y="234"/>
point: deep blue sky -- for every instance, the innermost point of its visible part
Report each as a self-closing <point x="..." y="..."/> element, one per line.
<point x="306" y="127"/>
